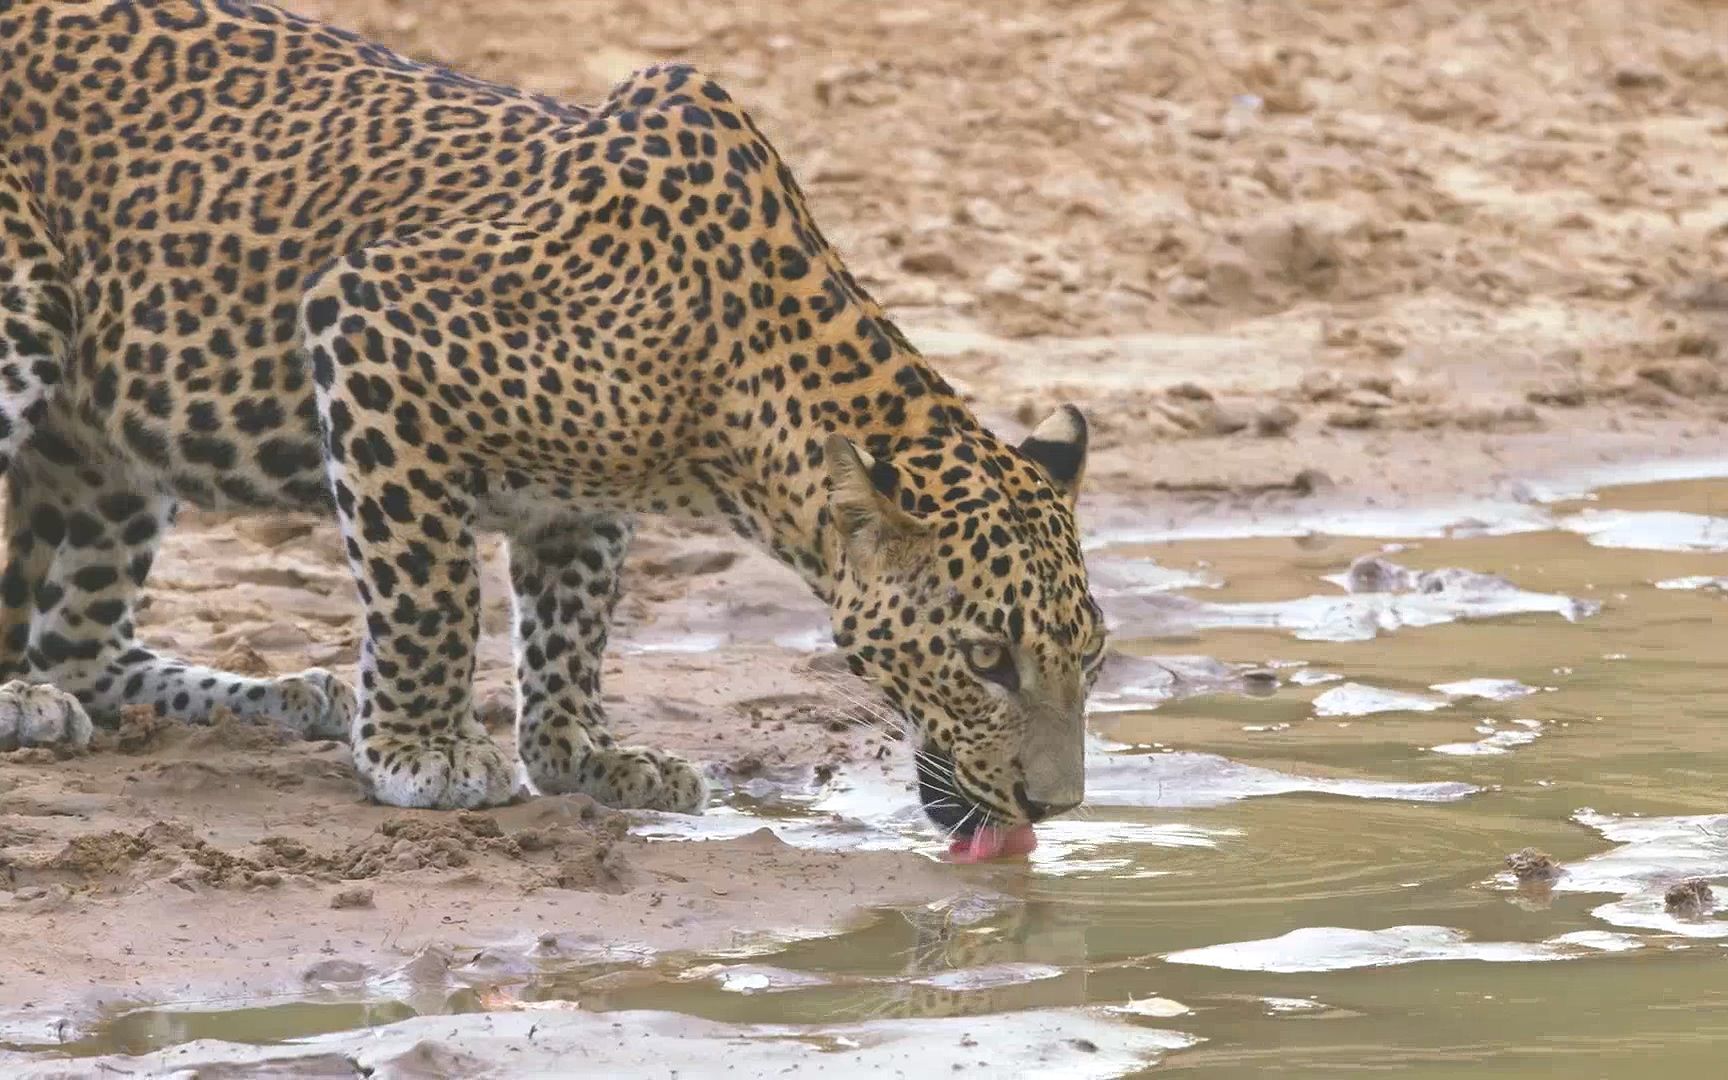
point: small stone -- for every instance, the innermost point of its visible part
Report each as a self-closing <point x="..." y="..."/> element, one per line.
<point x="1491" y="417"/>
<point x="1189" y="391"/>
<point x="1187" y="418"/>
<point x="1710" y="294"/>
<point x="1310" y="482"/>
<point x="1320" y="386"/>
<point x="1373" y="574"/>
<point x="982" y="213"/>
<point x="1533" y="867"/>
<point x="1366" y="398"/>
<point x="828" y="173"/>
<point x="479" y="824"/>
<point x="1696" y="344"/>
<point x="936" y="262"/>
<point x="1277" y="420"/>
<point x="1188" y="290"/>
<point x="276" y="635"/>
<point x="1228" y="419"/>
<point x="1067" y="275"/>
<point x="1004" y="281"/>
<point x="355" y="896"/>
<point x="1638" y="77"/>
<point x="1562" y="395"/>
<point x="1229" y="280"/>
<point x="1260" y="682"/>
<point x="1689" y="899"/>
<point x="274" y="531"/>
<point x="1353" y="419"/>
<point x="30" y="892"/>
<point x="30" y="755"/>
<point x="140" y="727"/>
<point x="1690" y="378"/>
<point x="1649" y="395"/>
<point x="910" y="292"/>
<point x="336" y="971"/>
<point x="1339" y="336"/>
<point x="243" y="659"/>
<point x="1385" y="345"/>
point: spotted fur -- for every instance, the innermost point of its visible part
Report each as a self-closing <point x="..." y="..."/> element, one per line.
<point x="249" y="261"/>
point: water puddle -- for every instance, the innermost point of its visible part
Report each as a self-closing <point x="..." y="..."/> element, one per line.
<point x="1312" y="754"/>
<point x="869" y="812"/>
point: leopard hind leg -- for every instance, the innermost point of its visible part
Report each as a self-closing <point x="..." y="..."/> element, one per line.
<point x="81" y="536"/>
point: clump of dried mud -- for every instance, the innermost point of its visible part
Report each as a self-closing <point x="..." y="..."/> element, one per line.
<point x="1533" y="868"/>
<point x="1689" y="899"/>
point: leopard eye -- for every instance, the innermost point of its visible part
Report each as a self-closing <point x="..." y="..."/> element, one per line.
<point x="990" y="660"/>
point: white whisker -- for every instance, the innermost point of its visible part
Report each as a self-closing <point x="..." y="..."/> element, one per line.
<point x="850" y="689"/>
<point x="961" y="824"/>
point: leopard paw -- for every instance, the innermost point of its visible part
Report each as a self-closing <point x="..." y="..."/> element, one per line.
<point x="464" y="771"/>
<point x="313" y="704"/>
<point x="631" y="778"/>
<point x="36" y="714"/>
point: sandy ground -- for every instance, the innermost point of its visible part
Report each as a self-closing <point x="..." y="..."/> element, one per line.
<point x="1311" y="256"/>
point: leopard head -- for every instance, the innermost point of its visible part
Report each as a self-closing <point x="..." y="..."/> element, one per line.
<point x="963" y="597"/>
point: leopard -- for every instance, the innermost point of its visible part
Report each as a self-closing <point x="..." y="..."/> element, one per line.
<point x="252" y="263"/>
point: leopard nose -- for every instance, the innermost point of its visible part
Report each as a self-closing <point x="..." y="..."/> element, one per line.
<point x="1037" y="811"/>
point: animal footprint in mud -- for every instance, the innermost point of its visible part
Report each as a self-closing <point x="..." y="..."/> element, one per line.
<point x="41" y="715"/>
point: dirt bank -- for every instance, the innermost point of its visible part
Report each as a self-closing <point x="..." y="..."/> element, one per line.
<point x="1412" y="245"/>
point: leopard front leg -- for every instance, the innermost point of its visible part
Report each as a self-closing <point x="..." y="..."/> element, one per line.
<point x="565" y="579"/>
<point x="406" y="526"/>
<point x="416" y="741"/>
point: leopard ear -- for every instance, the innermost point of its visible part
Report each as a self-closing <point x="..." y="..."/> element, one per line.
<point x="1058" y="445"/>
<point x="862" y="494"/>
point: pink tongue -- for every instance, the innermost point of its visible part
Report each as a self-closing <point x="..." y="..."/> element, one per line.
<point x="990" y="842"/>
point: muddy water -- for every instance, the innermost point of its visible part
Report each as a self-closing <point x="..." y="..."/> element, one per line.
<point x="1292" y="864"/>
